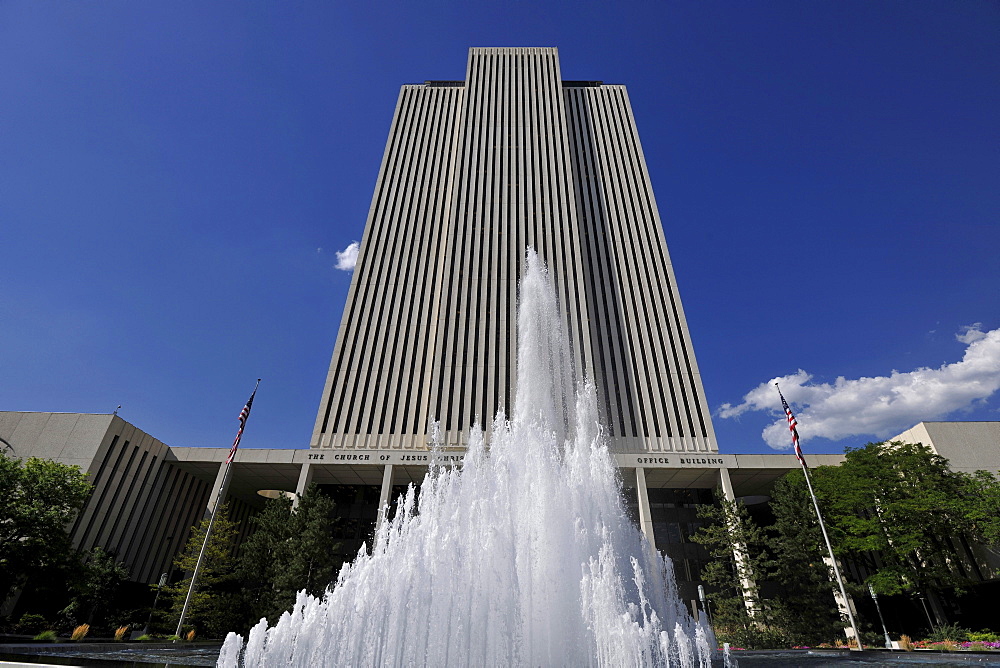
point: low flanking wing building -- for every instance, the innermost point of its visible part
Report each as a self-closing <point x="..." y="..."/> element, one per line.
<point x="147" y="496"/>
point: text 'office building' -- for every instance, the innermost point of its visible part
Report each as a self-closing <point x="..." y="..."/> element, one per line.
<point x="474" y="172"/>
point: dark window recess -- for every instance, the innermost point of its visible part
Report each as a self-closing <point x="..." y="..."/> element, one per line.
<point x="356" y="511"/>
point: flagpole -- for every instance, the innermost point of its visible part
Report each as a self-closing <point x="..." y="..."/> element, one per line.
<point x="201" y="553"/>
<point x="819" y="516"/>
<point x="220" y="497"/>
<point x="833" y="559"/>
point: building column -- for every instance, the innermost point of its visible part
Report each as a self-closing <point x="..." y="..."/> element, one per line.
<point x="7" y="606"/>
<point x="217" y="490"/>
<point x="305" y="479"/>
<point x="383" y="499"/>
<point x="645" y="518"/>
<point x="842" y="603"/>
<point x="727" y="484"/>
<point x="747" y="582"/>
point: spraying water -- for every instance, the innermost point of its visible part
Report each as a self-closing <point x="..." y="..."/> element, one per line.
<point x="524" y="556"/>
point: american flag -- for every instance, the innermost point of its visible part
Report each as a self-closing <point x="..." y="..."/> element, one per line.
<point x="244" y="414"/>
<point x="792" y="427"/>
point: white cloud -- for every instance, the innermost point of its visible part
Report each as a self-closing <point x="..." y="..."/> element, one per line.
<point x="880" y="406"/>
<point x="971" y="333"/>
<point x="347" y="258"/>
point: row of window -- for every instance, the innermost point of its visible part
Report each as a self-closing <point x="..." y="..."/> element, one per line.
<point x="675" y="533"/>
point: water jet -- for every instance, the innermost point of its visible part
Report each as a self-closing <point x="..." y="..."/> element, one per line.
<point x="522" y="556"/>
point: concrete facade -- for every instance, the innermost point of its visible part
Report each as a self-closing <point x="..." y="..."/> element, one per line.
<point x="147" y="496"/>
<point x="143" y="504"/>
<point x="473" y="173"/>
<point x="969" y="446"/>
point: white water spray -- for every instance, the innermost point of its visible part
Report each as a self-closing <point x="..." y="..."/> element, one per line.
<point x="524" y="556"/>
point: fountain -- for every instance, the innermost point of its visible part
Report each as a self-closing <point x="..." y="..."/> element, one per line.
<point x="523" y="556"/>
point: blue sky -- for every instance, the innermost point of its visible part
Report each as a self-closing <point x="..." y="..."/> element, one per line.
<point x="176" y="177"/>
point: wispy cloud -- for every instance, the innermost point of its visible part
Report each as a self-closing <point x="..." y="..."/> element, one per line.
<point x="882" y="405"/>
<point x="347" y="258"/>
<point x="971" y="333"/>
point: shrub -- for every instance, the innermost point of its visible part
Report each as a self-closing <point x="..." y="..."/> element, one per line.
<point x="949" y="632"/>
<point x="31" y="623"/>
<point x="120" y="633"/>
<point x="47" y="636"/>
<point x="80" y="632"/>
<point x="144" y="638"/>
<point x="190" y="635"/>
<point x="906" y="643"/>
<point x="753" y="637"/>
<point x="984" y="636"/>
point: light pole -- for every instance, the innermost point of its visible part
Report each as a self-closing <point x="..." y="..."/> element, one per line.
<point x="704" y="603"/>
<point x="923" y="602"/>
<point x="888" y="643"/>
<point x="163" y="581"/>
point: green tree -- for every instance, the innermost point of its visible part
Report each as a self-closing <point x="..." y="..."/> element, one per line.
<point x="38" y="497"/>
<point x="740" y="561"/>
<point x="806" y="604"/>
<point x="289" y="550"/>
<point x="899" y="509"/>
<point x="262" y="557"/>
<point x="208" y="611"/>
<point x="95" y="588"/>
<point x="310" y="565"/>
<point x="982" y="491"/>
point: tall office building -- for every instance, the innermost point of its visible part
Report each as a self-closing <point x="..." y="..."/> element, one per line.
<point x="474" y="172"/>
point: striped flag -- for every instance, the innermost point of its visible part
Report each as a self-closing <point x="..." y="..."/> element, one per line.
<point x="792" y="427"/>
<point x="244" y="414"/>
